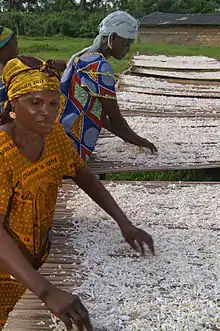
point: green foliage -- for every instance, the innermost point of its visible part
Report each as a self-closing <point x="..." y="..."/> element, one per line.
<point x="136" y="7"/>
<point x="19" y="5"/>
<point x="67" y="23"/>
<point x="188" y="6"/>
<point x="80" y="19"/>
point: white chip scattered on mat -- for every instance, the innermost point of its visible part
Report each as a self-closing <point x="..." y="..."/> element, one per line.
<point x="189" y="205"/>
<point x="152" y="85"/>
<point x="58" y="325"/>
<point x="210" y="75"/>
<point x="176" y="290"/>
<point x="155" y="83"/>
<point x="157" y="103"/>
<point x="181" y="62"/>
<point x="180" y="141"/>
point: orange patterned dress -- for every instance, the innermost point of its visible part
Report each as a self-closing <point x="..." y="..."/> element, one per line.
<point x="28" y="193"/>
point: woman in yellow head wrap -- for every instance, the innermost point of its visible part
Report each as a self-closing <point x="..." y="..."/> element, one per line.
<point x="35" y="154"/>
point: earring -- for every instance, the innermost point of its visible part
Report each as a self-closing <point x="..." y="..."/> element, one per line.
<point x="109" y="42"/>
<point x="12" y="115"/>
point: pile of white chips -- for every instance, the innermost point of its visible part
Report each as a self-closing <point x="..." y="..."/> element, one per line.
<point x="176" y="290"/>
<point x="180" y="141"/>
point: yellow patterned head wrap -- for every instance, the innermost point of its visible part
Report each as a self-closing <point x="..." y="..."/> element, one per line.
<point x="23" y="75"/>
<point x="5" y="35"/>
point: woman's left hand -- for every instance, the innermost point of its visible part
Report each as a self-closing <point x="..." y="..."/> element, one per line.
<point x="137" y="238"/>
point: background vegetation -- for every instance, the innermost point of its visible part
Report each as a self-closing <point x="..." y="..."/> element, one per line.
<point x="63" y="47"/>
<point x="80" y="18"/>
<point x="58" y="28"/>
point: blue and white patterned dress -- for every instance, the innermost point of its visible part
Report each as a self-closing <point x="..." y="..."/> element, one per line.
<point x="3" y="96"/>
<point x="91" y="78"/>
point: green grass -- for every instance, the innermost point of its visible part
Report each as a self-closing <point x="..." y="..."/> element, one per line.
<point x="63" y="47"/>
<point x="175" y="175"/>
<point x="176" y="50"/>
<point x="51" y="47"/>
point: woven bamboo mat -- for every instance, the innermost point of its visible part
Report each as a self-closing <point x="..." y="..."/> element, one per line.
<point x="183" y="143"/>
<point x="64" y="263"/>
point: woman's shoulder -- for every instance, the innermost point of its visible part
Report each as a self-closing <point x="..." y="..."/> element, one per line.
<point x="91" y="57"/>
<point x="94" y="62"/>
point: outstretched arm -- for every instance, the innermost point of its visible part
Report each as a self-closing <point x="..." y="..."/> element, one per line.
<point x="116" y="124"/>
<point x="66" y="306"/>
<point x="89" y="183"/>
<point x="13" y="262"/>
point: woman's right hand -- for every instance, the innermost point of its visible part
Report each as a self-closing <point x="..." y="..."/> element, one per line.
<point x="68" y="308"/>
<point x="64" y="305"/>
<point x="147" y="144"/>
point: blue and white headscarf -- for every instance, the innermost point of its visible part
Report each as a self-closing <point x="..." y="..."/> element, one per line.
<point x="119" y="22"/>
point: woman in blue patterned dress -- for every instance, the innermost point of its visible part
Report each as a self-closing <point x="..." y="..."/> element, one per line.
<point x="88" y="85"/>
<point x="8" y="50"/>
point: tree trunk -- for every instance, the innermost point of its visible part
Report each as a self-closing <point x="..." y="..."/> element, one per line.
<point x="124" y="4"/>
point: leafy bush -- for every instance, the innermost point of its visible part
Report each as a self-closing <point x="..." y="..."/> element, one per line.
<point x="67" y="23"/>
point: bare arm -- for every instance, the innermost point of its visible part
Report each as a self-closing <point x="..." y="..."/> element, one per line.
<point x="13" y="262"/>
<point x="66" y="306"/>
<point x="88" y="182"/>
<point x="116" y="124"/>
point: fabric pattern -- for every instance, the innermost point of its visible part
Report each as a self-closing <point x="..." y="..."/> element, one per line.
<point x="3" y="96"/>
<point x="10" y="293"/>
<point x="5" y="35"/>
<point x="21" y="79"/>
<point x="91" y="77"/>
<point x="28" y="193"/>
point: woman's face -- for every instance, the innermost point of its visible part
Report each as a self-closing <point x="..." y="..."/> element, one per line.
<point x="120" y="46"/>
<point x="37" y="111"/>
